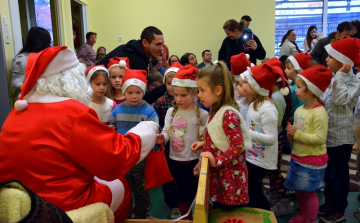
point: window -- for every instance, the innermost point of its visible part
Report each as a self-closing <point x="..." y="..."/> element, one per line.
<point x="301" y="14"/>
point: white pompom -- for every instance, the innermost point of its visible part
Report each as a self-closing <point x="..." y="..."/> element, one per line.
<point x="122" y="63"/>
<point x="284" y="91"/>
<point x="289" y="81"/>
<point x="21" y="105"/>
<point x="252" y="65"/>
<point x="247" y="56"/>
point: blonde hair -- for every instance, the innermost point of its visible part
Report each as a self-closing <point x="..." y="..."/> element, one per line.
<point x="176" y="107"/>
<point x="259" y="100"/>
<point x="219" y="75"/>
<point x="111" y="90"/>
<point x="307" y="89"/>
<point x="171" y="74"/>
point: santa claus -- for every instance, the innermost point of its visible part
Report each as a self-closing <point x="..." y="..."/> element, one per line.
<point x="56" y="146"/>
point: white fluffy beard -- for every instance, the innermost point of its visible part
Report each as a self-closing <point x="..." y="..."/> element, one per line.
<point x="70" y="83"/>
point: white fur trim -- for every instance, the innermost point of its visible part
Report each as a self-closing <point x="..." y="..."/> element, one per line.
<point x="242" y="76"/>
<point x="236" y="77"/>
<point x="146" y="132"/>
<point x="92" y="71"/>
<point x="117" y="192"/>
<point x="133" y="81"/>
<point x="337" y="55"/>
<point x="284" y="91"/>
<point x="171" y="69"/>
<point x="183" y="82"/>
<point x="254" y="85"/>
<point x="295" y="64"/>
<point x="64" y="60"/>
<point x="36" y="97"/>
<point x="312" y="87"/>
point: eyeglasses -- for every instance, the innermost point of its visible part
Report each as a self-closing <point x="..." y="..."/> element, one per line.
<point x="174" y="61"/>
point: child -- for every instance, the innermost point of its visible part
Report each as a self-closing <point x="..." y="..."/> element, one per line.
<point x="308" y="159"/>
<point x="154" y="80"/>
<point x="340" y="99"/>
<point x="278" y="197"/>
<point x="226" y="138"/>
<point x="294" y="65"/>
<point x="183" y="126"/>
<point x="116" y="68"/>
<point x="128" y="114"/>
<point x="239" y="64"/>
<point x="98" y="78"/>
<point x="161" y="106"/>
<point x="262" y="119"/>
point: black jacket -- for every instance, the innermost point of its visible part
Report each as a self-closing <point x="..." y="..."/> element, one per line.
<point x="233" y="47"/>
<point x="319" y="54"/>
<point x="138" y="61"/>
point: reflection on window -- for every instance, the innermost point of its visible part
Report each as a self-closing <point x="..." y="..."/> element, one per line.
<point x="43" y="15"/>
<point x="340" y="11"/>
<point x="298" y="15"/>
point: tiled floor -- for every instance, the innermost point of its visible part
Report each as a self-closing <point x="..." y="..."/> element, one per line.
<point x="160" y="210"/>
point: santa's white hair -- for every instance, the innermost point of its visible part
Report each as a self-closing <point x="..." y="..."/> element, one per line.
<point x="70" y="83"/>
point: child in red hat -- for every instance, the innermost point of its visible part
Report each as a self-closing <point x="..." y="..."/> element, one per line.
<point x="126" y="115"/>
<point x="340" y="99"/>
<point x="309" y="157"/>
<point x="98" y="78"/>
<point x="116" y="68"/>
<point x="184" y="124"/>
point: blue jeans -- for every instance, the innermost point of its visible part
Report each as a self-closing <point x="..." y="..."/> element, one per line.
<point x="337" y="177"/>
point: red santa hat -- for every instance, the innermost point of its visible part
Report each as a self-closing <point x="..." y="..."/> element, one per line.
<point x="186" y="76"/>
<point x="239" y="64"/>
<point x="118" y="62"/>
<point x="91" y="70"/>
<point x="300" y="61"/>
<point x="317" y="78"/>
<point x="52" y="60"/>
<point x="173" y="68"/>
<point x="264" y="76"/>
<point x="134" y="77"/>
<point x="345" y="50"/>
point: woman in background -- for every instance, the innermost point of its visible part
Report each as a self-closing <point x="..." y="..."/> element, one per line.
<point x="311" y="39"/>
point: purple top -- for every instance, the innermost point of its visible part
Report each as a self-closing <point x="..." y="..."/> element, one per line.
<point x="88" y="53"/>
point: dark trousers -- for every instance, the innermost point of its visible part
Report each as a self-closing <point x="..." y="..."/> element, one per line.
<point x="337" y="177"/>
<point x="256" y="195"/>
<point x="168" y="188"/>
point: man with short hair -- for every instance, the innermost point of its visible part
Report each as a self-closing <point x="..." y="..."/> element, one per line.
<point x="319" y="54"/>
<point x="87" y="51"/>
<point x="207" y="57"/>
<point x="248" y="21"/>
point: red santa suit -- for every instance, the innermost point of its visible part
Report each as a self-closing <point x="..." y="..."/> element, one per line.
<point x="56" y="149"/>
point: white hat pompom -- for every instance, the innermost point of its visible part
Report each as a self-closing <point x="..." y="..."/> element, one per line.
<point x="247" y="56"/>
<point x="122" y="63"/>
<point x="284" y="91"/>
<point x="21" y="105"/>
<point x="252" y="65"/>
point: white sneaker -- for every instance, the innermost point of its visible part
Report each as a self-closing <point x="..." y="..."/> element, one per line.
<point x="175" y="213"/>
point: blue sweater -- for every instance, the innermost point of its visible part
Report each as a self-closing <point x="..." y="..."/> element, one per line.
<point x="127" y="116"/>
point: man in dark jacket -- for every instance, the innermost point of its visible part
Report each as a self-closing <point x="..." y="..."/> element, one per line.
<point x="151" y="43"/>
<point x="319" y="53"/>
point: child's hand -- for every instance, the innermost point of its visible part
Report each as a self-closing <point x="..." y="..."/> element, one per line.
<point x="197" y="168"/>
<point x="210" y="156"/>
<point x="291" y="130"/>
<point x="345" y="68"/>
<point x="160" y="139"/>
<point x="112" y="126"/>
<point x="196" y="146"/>
<point x="252" y="44"/>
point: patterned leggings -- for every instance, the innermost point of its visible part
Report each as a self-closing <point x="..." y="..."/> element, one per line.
<point x="277" y="180"/>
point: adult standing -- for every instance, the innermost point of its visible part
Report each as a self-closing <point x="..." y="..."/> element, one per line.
<point x="234" y="44"/>
<point x="288" y="45"/>
<point x="87" y="51"/>
<point x="319" y="54"/>
<point x="356" y="29"/>
<point x="37" y="40"/>
<point x="310" y="40"/>
<point x="60" y="146"/>
<point x="151" y="43"/>
<point x="248" y="21"/>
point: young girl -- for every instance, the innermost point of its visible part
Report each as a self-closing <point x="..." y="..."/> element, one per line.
<point x="244" y="101"/>
<point x="309" y="157"/>
<point x="98" y="78"/>
<point x="184" y="125"/>
<point x="226" y="138"/>
<point x="116" y="68"/>
<point x="262" y="119"/>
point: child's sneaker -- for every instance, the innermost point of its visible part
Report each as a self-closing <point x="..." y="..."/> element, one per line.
<point x="323" y="209"/>
<point x="284" y="207"/>
<point x="332" y="217"/>
<point x="175" y="213"/>
<point x="149" y="205"/>
<point x="273" y="199"/>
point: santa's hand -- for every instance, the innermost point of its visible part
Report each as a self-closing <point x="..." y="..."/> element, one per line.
<point x="154" y="125"/>
<point x="345" y="68"/>
<point x="160" y="139"/>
